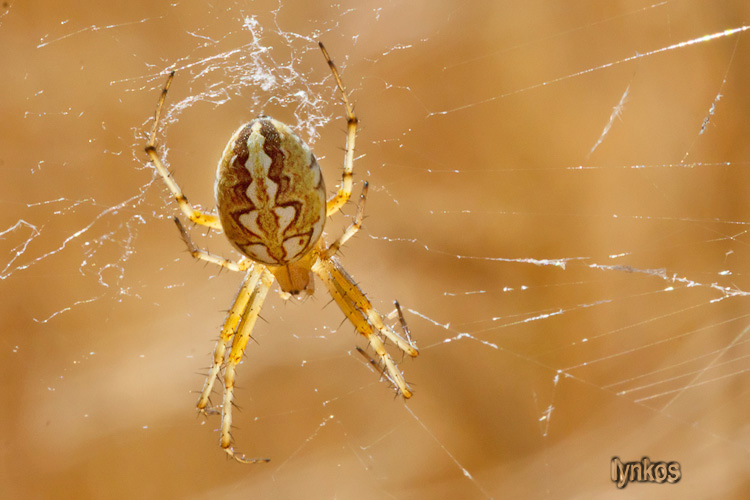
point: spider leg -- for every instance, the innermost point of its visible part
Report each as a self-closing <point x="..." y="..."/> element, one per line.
<point x="227" y="332"/>
<point x="345" y="190"/>
<point x="360" y="301"/>
<point x="193" y="214"/>
<point x="353" y="227"/>
<point x="239" y="343"/>
<point x="374" y="364"/>
<point x="203" y="255"/>
<point x="363" y="316"/>
<point x="401" y="320"/>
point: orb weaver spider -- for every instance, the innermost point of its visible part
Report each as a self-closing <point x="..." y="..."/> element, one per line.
<point x="272" y="206"/>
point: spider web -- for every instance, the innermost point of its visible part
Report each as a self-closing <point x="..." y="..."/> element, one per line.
<point x="557" y="199"/>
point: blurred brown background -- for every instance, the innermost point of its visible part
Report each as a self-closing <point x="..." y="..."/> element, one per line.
<point x="570" y="305"/>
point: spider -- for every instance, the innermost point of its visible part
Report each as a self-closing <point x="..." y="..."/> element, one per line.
<point x="272" y="206"/>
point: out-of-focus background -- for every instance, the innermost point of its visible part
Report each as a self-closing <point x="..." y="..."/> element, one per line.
<point x="558" y="199"/>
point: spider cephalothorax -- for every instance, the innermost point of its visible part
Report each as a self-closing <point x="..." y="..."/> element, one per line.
<point x="272" y="207"/>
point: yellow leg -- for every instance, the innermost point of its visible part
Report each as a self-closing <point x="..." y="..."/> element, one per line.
<point x="363" y="316"/>
<point x="227" y="332"/>
<point x="193" y="214"/>
<point x="239" y="343"/>
<point x="345" y="190"/>
<point x="243" y="265"/>
<point x="352" y="229"/>
<point x="347" y="284"/>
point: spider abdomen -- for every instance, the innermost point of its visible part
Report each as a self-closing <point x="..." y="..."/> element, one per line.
<point x="270" y="193"/>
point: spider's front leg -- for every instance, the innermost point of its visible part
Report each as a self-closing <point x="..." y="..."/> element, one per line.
<point x="338" y="200"/>
<point x="192" y="213"/>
